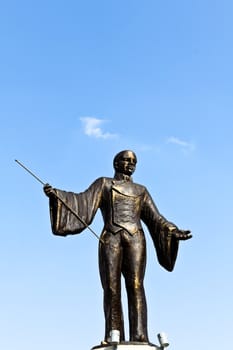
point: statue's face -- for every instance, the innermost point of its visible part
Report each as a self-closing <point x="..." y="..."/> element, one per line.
<point x="126" y="164"/>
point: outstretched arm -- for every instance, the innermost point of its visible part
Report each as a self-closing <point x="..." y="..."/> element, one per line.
<point x="165" y="234"/>
<point x="152" y="215"/>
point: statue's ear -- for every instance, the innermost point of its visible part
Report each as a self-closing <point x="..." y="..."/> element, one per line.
<point x="115" y="165"/>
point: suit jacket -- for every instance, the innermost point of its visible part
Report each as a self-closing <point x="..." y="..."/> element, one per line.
<point x="123" y="205"/>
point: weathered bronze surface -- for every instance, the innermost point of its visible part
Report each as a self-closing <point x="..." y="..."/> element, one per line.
<point x="122" y="247"/>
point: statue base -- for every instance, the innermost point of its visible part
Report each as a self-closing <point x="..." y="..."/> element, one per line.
<point x="127" y="346"/>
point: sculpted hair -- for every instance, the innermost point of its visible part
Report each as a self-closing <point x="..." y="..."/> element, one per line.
<point x="120" y="155"/>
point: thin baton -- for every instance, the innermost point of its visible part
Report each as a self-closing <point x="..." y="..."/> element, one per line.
<point x="62" y="201"/>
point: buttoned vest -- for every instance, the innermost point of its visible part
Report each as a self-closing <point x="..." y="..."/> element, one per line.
<point x="126" y="200"/>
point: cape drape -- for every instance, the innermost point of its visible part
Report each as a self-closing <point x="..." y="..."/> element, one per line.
<point x="63" y="221"/>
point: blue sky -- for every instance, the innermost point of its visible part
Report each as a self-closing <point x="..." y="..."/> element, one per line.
<point x="81" y="81"/>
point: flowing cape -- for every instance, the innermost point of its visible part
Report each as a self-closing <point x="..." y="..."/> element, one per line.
<point x="166" y="245"/>
<point x="84" y="204"/>
<point x="166" y="248"/>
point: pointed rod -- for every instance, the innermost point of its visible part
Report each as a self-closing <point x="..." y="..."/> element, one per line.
<point x="63" y="202"/>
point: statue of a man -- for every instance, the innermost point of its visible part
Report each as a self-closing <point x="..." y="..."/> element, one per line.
<point x="122" y="247"/>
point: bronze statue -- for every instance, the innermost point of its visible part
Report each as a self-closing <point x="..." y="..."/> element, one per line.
<point x="122" y="246"/>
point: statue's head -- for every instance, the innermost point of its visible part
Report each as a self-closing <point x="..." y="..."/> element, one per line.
<point x="125" y="162"/>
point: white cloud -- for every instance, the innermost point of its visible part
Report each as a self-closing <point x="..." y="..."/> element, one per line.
<point x="92" y="128"/>
<point x="186" y="146"/>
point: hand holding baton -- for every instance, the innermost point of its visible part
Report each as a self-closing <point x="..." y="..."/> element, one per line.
<point x="50" y="192"/>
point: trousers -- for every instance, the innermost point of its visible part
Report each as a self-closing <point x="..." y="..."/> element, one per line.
<point x="124" y="254"/>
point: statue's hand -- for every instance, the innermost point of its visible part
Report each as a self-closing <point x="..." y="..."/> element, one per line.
<point x="48" y="190"/>
<point x="181" y="235"/>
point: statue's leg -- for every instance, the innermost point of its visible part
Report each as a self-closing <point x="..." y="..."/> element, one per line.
<point x="110" y="259"/>
<point x="134" y="262"/>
